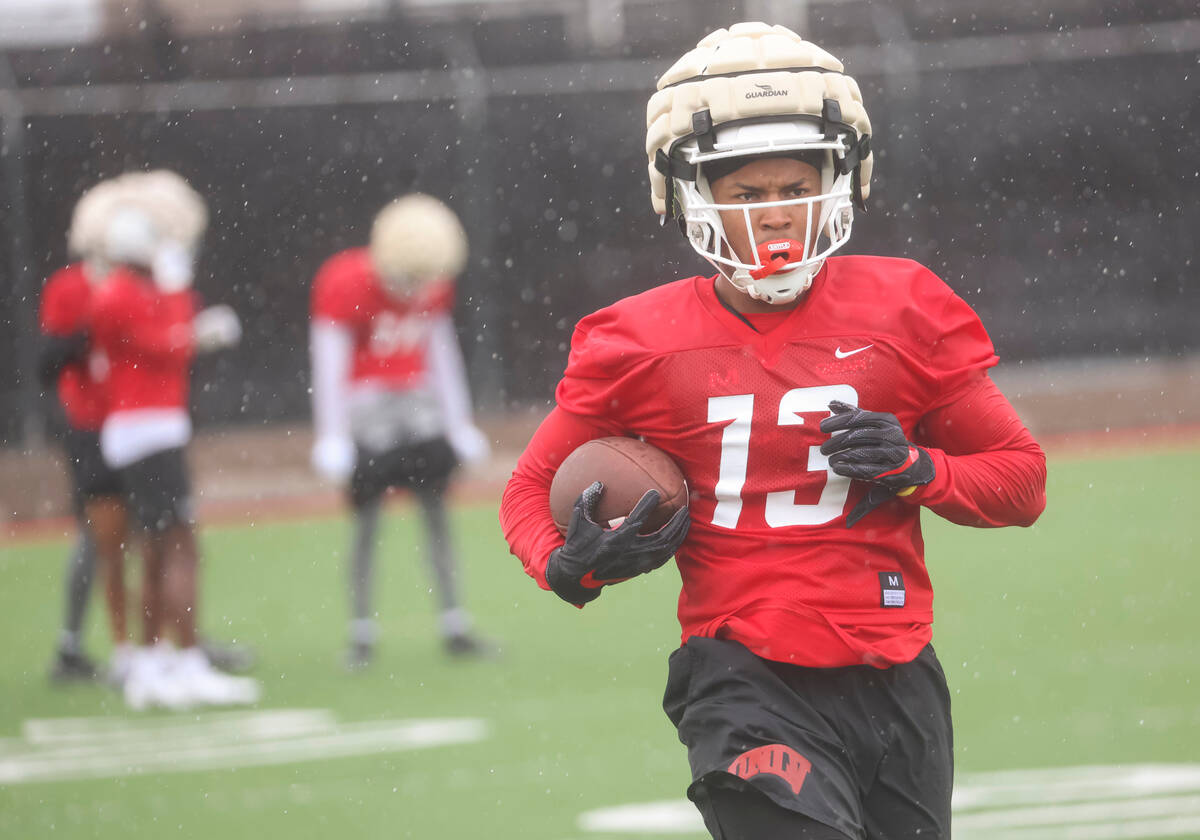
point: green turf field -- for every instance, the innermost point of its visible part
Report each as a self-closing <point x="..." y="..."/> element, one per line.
<point x="1071" y="643"/>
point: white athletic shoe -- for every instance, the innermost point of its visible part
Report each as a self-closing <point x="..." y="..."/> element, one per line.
<point x="152" y="681"/>
<point x="205" y="685"/>
<point x="120" y="663"/>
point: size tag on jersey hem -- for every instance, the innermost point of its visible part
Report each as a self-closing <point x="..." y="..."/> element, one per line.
<point x="891" y="586"/>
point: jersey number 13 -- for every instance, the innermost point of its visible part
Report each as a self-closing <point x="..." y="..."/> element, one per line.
<point x="781" y="510"/>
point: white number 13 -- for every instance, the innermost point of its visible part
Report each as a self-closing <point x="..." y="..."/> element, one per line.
<point x="781" y="508"/>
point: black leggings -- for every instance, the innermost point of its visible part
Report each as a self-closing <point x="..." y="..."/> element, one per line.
<point x="746" y="814"/>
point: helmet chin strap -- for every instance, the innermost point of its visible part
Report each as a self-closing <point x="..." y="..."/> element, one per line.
<point x="774" y="256"/>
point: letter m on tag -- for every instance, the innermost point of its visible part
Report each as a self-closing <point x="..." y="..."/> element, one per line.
<point x="891" y="587"/>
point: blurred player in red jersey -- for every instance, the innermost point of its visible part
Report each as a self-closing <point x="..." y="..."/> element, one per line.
<point x="815" y="404"/>
<point x="391" y="406"/>
<point x="96" y="489"/>
<point x="146" y="330"/>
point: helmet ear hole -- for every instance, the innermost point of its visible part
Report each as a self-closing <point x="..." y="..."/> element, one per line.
<point x="700" y="235"/>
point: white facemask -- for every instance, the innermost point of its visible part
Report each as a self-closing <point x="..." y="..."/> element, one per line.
<point x="172" y="268"/>
<point x="763" y="278"/>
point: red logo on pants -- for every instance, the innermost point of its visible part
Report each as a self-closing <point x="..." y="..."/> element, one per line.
<point x="775" y="759"/>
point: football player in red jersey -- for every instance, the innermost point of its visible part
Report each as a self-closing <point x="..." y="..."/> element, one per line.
<point x="96" y="489"/>
<point x="816" y="404"/>
<point x="391" y="406"/>
<point x="146" y="331"/>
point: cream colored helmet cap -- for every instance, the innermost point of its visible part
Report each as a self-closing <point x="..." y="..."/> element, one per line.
<point x="179" y="207"/>
<point x="85" y="236"/>
<point x="416" y="239"/>
<point x="752" y="72"/>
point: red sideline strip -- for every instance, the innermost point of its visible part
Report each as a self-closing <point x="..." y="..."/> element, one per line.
<point x="1067" y="445"/>
<point x="242" y="511"/>
<point x="1136" y="440"/>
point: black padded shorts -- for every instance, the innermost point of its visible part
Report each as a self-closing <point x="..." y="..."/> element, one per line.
<point x="418" y="466"/>
<point x="91" y="478"/>
<point x="866" y="751"/>
<point x="159" y="491"/>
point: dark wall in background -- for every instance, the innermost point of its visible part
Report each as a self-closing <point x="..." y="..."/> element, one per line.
<point x="1058" y="198"/>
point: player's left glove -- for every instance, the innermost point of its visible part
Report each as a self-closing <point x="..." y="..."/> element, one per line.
<point x="58" y="351"/>
<point x="469" y="443"/>
<point x="871" y="446"/>
<point x="333" y="457"/>
<point x="594" y="556"/>
<point x="216" y="328"/>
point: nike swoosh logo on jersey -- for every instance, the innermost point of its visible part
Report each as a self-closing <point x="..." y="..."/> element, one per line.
<point x="838" y="352"/>
<point x="590" y="582"/>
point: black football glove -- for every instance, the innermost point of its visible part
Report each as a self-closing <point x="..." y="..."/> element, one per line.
<point x="871" y="446"/>
<point x="594" y="556"/>
<point x="58" y="351"/>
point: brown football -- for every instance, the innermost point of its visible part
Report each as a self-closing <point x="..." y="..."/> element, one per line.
<point x="627" y="467"/>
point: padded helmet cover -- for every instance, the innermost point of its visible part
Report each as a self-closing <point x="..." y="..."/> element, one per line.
<point x="751" y="72"/>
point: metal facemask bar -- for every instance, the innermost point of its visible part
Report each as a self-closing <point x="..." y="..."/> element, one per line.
<point x="703" y="212"/>
<point x="705" y="230"/>
<point x="771" y="280"/>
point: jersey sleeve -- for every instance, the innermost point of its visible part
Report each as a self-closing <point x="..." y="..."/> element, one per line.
<point x="64" y="309"/>
<point x="525" y="506"/>
<point x="600" y="380"/>
<point x="588" y="400"/>
<point x="989" y="470"/>
<point x="331" y="353"/>
<point x="339" y="293"/>
<point x="960" y="353"/>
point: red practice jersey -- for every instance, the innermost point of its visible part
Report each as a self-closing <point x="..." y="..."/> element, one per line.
<point x="65" y="311"/>
<point x="768" y="560"/>
<point x="391" y="335"/>
<point x="145" y="338"/>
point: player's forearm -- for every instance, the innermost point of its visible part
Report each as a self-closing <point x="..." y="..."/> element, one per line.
<point x="448" y="375"/>
<point x="987" y="489"/>
<point x="989" y="470"/>
<point x="527" y="524"/>
<point x="331" y="347"/>
<point x="525" y="508"/>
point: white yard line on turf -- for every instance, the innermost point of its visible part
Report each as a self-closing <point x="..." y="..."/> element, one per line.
<point x="675" y="816"/>
<point x="1066" y="784"/>
<point x="1137" y="830"/>
<point x="161" y="749"/>
<point x="1087" y="812"/>
<point x="1118" y="802"/>
<point x="103" y="730"/>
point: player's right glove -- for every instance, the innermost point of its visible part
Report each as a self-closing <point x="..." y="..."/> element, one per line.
<point x="470" y="445"/>
<point x="871" y="446"/>
<point x="333" y="457"/>
<point x="594" y="556"/>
